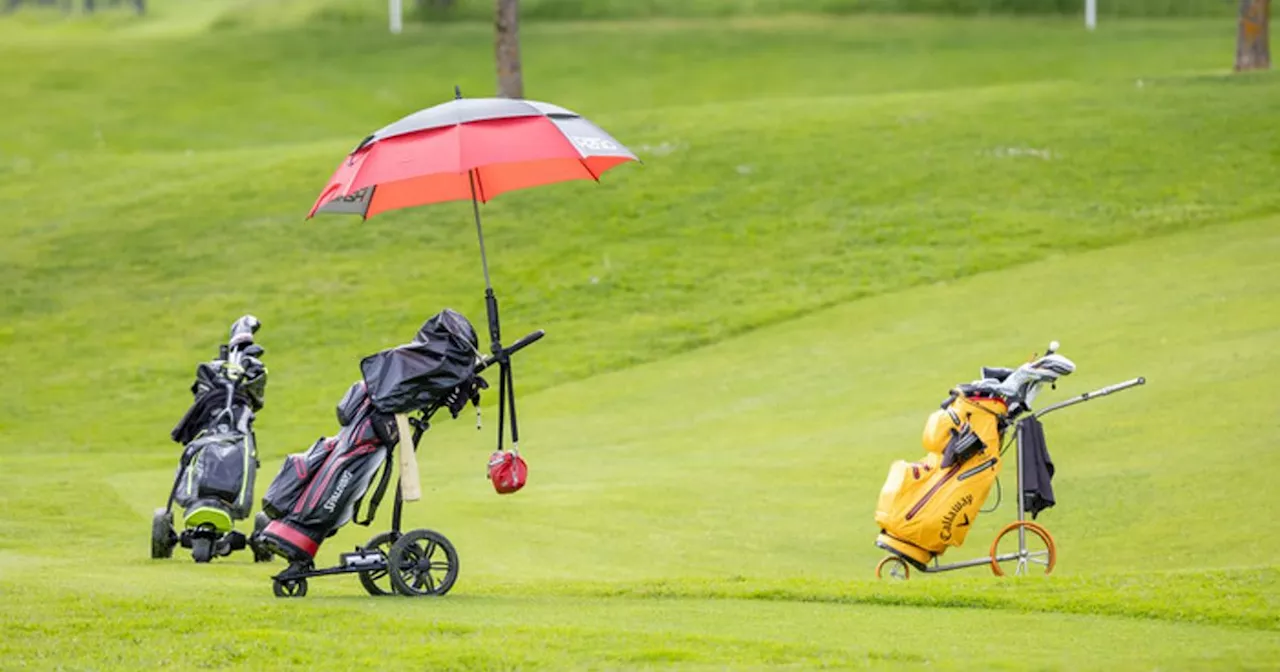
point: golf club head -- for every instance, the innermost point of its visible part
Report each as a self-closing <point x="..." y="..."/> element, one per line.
<point x="243" y="329"/>
<point x="1053" y="366"/>
<point x="254" y="350"/>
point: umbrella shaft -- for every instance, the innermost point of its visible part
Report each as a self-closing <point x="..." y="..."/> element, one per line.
<point x="490" y="301"/>
<point x="491" y="307"/>
<point x="475" y="207"/>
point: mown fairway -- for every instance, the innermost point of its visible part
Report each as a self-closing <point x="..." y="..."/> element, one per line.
<point x="837" y="219"/>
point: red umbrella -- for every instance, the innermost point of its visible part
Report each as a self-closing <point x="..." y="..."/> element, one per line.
<point x="470" y="148"/>
<point x="474" y="149"/>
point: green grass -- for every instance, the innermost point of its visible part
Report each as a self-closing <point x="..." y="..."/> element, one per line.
<point x="837" y="220"/>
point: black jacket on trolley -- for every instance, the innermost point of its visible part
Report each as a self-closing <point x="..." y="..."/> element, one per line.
<point x="1037" y="467"/>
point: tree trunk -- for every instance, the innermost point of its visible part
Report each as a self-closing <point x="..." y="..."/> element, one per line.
<point x="1252" y="49"/>
<point x="507" y="49"/>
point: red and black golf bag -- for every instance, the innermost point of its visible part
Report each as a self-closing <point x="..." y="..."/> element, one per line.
<point x="317" y="492"/>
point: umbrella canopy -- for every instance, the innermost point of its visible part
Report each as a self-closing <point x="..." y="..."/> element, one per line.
<point x="469" y="148"/>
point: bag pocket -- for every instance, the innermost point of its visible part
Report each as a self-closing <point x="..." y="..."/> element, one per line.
<point x="294" y="476"/>
<point x="219" y="470"/>
<point x="330" y="500"/>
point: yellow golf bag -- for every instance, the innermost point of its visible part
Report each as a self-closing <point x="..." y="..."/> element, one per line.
<point x="926" y="506"/>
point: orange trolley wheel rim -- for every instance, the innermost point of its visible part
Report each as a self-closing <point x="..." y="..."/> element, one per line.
<point x="1033" y="528"/>
<point x="889" y="563"/>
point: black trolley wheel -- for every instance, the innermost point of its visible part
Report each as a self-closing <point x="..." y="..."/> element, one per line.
<point x="260" y="552"/>
<point x="377" y="582"/>
<point x="289" y="587"/>
<point x="421" y="563"/>
<point x="163" y="538"/>
<point x="201" y="549"/>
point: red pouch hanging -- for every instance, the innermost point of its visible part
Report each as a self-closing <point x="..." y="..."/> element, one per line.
<point x="507" y="471"/>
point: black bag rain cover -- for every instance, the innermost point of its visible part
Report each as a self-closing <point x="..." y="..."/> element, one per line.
<point x="412" y="376"/>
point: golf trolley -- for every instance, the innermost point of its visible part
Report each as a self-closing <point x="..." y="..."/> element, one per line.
<point x="416" y="563"/>
<point x="215" y="476"/>
<point x="1042" y="551"/>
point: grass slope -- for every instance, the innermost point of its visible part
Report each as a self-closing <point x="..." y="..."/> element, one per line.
<point x="832" y="197"/>
<point x="836" y="221"/>
<point x="708" y="529"/>
<point x="89" y="91"/>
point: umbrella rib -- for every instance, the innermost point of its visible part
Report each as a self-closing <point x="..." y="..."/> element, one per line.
<point x="355" y="175"/>
<point x="582" y="157"/>
<point x="479" y="185"/>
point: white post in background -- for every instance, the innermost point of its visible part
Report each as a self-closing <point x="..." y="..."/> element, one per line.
<point x="1090" y="14"/>
<point x="395" y="10"/>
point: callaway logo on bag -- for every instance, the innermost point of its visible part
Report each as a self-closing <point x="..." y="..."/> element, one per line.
<point x="507" y="471"/>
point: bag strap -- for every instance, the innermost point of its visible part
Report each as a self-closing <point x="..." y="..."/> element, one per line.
<point x="378" y="494"/>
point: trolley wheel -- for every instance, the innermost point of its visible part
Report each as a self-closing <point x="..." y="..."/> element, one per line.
<point x="423" y="562"/>
<point x="289" y="587"/>
<point x="378" y="581"/>
<point x="260" y="552"/>
<point x="163" y="538"/>
<point x="894" y="568"/>
<point x="1024" y="557"/>
<point x="201" y="549"/>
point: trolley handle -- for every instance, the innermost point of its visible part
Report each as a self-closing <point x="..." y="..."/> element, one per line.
<point x="512" y="349"/>
<point x="1101" y="392"/>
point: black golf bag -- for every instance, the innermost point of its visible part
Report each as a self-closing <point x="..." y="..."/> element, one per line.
<point x="218" y="469"/>
<point x="216" y="472"/>
<point x="317" y="492"/>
